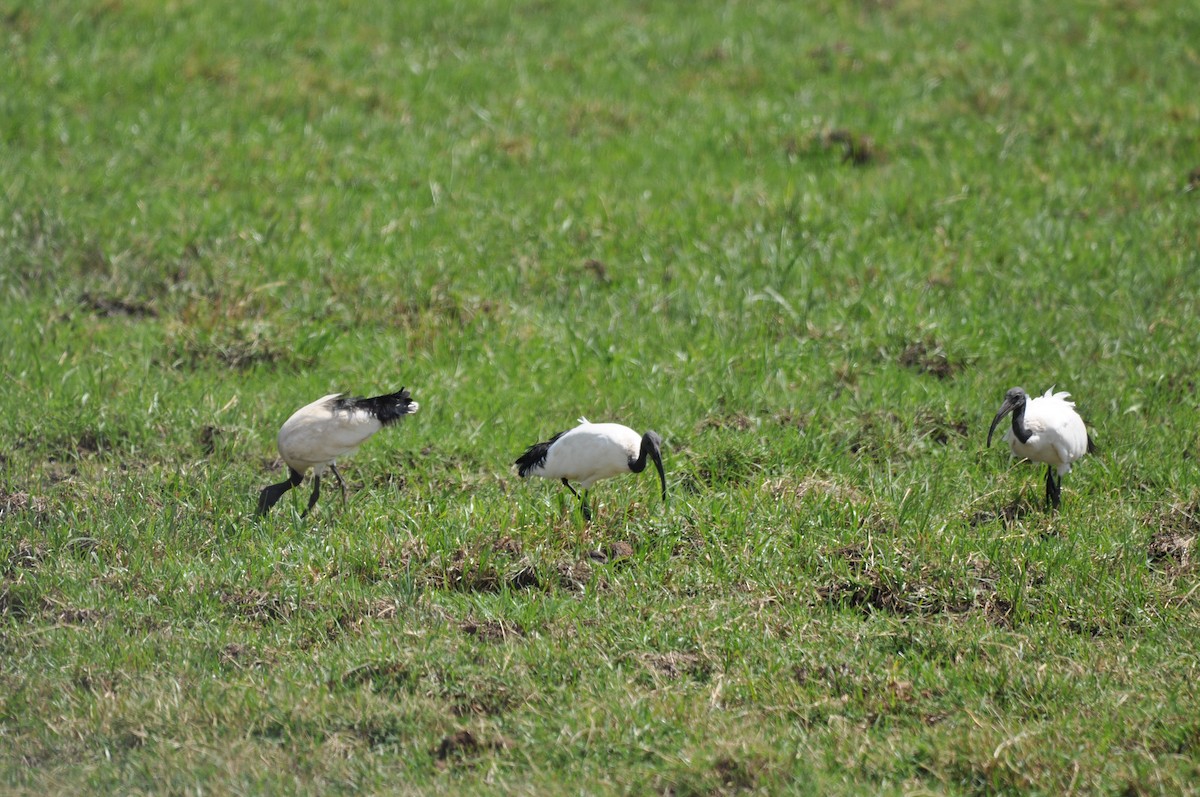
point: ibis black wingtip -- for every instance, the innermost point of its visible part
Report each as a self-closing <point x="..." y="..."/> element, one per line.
<point x="535" y="456"/>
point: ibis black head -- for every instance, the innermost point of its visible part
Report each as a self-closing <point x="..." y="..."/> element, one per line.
<point x="1014" y="401"/>
<point x="271" y="494"/>
<point x="652" y="446"/>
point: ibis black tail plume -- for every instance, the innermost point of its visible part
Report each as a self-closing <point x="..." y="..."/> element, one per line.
<point x="535" y="456"/>
<point x="387" y="409"/>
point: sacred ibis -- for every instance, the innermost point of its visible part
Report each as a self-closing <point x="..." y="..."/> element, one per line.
<point x="332" y="426"/>
<point x="1045" y="429"/>
<point x="591" y="452"/>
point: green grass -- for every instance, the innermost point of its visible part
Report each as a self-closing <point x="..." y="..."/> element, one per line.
<point x="810" y="244"/>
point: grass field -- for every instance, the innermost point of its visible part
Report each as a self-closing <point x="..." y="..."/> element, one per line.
<point x="811" y="244"/>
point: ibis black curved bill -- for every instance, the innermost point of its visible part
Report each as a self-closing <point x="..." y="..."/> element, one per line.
<point x="652" y="446"/>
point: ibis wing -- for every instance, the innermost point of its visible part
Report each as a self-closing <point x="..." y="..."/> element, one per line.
<point x="315" y="439"/>
<point x="1071" y="442"/>
<point x="1060" y="429"/>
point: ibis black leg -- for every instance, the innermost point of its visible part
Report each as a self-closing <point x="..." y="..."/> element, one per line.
<point x="1053" y="488"/>
<point x="341" y="483"/>
<point x="583" y="501"/>
<point x="271" y="494"/>
<point x="312" y="499"/>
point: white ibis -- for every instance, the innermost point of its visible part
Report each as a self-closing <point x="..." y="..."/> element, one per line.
<point x="332" y="426"/>
<point x="1046" y="429"/>
<point x="591" y="452"/>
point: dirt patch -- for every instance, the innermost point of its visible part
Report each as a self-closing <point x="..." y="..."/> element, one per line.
<point x="613" y="552"/>
<point x="387" y="678"/>
<point x="508" y="545"/>
<point x="839" y="679"/>
<point x="481" y="698"/>
<point x="598" y="270"/>
<point x="674" y="665"/>
<point x="737" y="421"/>
<point x="242" y="656"/>
<point x="463" y="745"/>
<point x="524" y="577"/>
<point x="1174" y="535"/>
<point x="998" y="611"/>
<point x="70" y="615"/>
<point x="352" y="618"/>
<point x="1170" y="549"/>
<point x="480" y="569"/>
<point x="19" y="599"/>
<point x="26" y="555"/>
<point x="878" y="436"/>
<point x="1193" y="179"/>
<point x="724" y="466"/>
<point x="492" y="630"/>
<point x="70" y="443"/>
<point x="869" y="592"/>
<point x="893" y="697"/>
<point x="791" y="418"/>
<point x="379" y="609"/>
<point x="1008" y="514"/>
<point x="928" y="357"/>
<point x="737" y="775"/>
<point x="573" y="576"/>
<point x="14" y="503"/>
<point x="941" y="429"/>
<point x="210" y="436"/>
<point x="465" y="572"/>
<point x="112" y="307"/>
<point x="855" y="554"/>
<point x="91" y="441"/>
<point x="908" y="588"/>
<point x="439" y="308"/>
<point x="619" y="550"/>
<point x="240" y="349"/>
<point x="814" y="488"/>
<point x="262" y="606"/>
<point x="857" y="149"/>
<point x="803" y="494"/>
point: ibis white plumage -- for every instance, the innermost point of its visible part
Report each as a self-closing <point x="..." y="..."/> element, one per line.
<point x="591" y="452"/>
<point x="1046" y="429"/>
<point x="333" y="426"/>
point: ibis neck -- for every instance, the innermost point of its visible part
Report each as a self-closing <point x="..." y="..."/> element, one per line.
<point x="638" y="465"/>
<point x="1018" y="424"/>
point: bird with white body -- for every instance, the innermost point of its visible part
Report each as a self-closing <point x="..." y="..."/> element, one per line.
<point x="1046" y="429"/>
<point x="333" y="426"/>
<point x="591" y="452"/>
